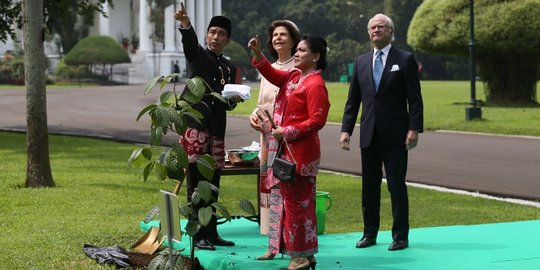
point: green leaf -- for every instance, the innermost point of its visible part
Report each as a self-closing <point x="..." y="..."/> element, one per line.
<point x="154" y="212"/>
<point x="192" y="228"/>
<point x="194" y="113"/>
<point x="137" y="160"/>
<point x="247" y="207"/>
<point x="191" y="98"/>
<point x="219" y="97"/>
<point x="197" y="86"/>
<point x="183" y="104"/>
<point x="163" y="117"/>
<point x="134" y="156"/>
<point x="154" y="264"/>
<point x="204" y="215"/>
<point x="195" y="198"/>
<point x="164" y="98"/>
<point x="151" y="84"/>
<point x="206" y="165"/>
<point x="161" y="171"/>
<point x="177" y="262"/>
<point x="147" y="153"/>
<point x="147" y="169"/>
<point x="180" y="124"/>
<point x="146" y="109"/>
<point x="163" y="82"/>
<point x="204" y="190"/>
<point x="165" y="157"/>
<point x="223" y="210"/>
<point x="156" y="135"/>
<point x="184" y="210"/>
<point x="181" y="154"/>
<point x="174" y="170"/>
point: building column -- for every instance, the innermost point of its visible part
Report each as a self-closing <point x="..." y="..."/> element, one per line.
<point x="144" y="26"/>
<point x="217" y="7"/>
<point x="200" y="26"/>
<point x="208" y="10"/>
<point x="190" y="7"/>
<point x="169" y="22"/>
<point x="104" y="28"/>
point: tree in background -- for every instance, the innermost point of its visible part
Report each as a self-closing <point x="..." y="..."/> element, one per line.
<point x="506" y="42"/>
<point x="70" y="19"/>
<point x="31" y="19"/>
<point x="99" y="53"/>
<point x="9" y="13"/>
<point x="38" y="167"/>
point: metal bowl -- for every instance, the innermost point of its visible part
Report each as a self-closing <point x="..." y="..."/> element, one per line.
<point x="243" y="157"/>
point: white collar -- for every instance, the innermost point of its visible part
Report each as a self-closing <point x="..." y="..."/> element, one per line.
<point x="385" y="50"/>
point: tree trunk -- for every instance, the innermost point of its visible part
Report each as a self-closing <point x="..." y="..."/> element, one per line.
<point x="38" y="168"/>
<point x="510" y="80"/>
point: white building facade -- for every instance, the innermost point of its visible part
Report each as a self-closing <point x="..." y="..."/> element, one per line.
<point x="130" y="18"/>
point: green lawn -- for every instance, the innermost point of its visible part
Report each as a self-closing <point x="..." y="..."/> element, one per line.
<point x="98" y="201"/>
<point x="444" y="109"/>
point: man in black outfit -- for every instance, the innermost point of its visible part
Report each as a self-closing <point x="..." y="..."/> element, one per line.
<point x="207" y="137"/>
<point x="385" y="80"/>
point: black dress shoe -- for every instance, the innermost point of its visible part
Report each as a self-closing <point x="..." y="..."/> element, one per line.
<point x="218" y="241"/>
<point x="366" y="242"/>
<point x="398" y="244"/>
<point x="204" y="244"/>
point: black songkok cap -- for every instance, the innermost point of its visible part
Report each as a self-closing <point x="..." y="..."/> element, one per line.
<point x="220" y="21"/>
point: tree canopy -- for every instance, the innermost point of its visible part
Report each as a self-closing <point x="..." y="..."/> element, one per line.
<point x="506" y="42"/>
<point x="60" y="16"/>
<point x="500" y="27"/>
<point x="237" y="54"/>
<point x="97" y="50"/>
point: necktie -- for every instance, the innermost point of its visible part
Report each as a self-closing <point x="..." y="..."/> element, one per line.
<point x="377" y="69"/>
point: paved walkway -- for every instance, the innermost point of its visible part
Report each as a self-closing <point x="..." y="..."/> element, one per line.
<point x="490" y="164"/>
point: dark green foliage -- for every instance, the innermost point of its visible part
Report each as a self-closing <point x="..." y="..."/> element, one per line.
<point x="500" y="26"/>
<point x="71" y="72"/>
<point x="61" y="17"/>
<point x="12" y="72"/>
<point x="9" y="14"/>
<point x="506" y="42"/>
<point x="97" y="50"/>
<point x="237" y="54"/>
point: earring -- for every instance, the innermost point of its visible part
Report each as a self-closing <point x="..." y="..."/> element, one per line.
<point x="314" y="60"/>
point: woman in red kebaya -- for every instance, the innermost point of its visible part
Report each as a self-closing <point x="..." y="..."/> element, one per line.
<point x="300" y="111"/>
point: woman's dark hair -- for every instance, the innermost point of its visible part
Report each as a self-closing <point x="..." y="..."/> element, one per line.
<point x="293" y="32"/>
<point x="317" y="45"/>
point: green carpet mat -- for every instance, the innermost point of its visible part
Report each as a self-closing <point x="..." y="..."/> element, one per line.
<point x="514" y="245"/>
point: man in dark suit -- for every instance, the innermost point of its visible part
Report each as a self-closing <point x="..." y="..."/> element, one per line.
<point x="386" y="82"/>
<point x="207" y="136"/>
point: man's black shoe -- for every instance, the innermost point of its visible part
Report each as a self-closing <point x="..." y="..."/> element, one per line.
<point x="366" y="242"/>
<point x="398" y="244"/>
<point x="218" y="241"/>
<point x="204" y="244"/>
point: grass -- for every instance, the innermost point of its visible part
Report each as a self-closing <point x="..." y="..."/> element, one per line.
<point x="444" y="109"/>
<point x="98" y="201"/>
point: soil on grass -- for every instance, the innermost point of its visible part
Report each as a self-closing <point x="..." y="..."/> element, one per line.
<point x="141" y="261"/>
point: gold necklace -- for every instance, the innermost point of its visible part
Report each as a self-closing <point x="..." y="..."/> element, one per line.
<point x="222" y="81"/>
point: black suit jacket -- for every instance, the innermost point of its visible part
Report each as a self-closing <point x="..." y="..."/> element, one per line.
<point x="206" y="64"/>
<point x="392" y="110"/>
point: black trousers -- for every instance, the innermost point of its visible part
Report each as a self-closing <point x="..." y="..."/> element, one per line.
<point x="394" y="158"/>
<point x="194" y="176"/>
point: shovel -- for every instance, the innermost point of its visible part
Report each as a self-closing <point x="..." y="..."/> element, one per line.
<point x="149" y="243"/>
